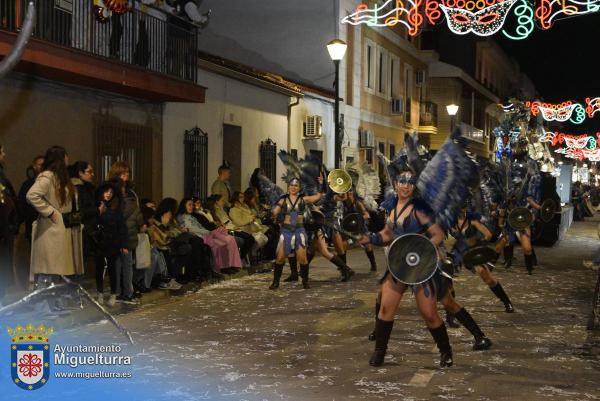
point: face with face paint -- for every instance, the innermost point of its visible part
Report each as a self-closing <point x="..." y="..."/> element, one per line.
<point x="405" y="185"/>
<point x="294" y="187"/>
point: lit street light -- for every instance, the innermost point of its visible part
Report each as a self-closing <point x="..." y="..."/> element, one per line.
<point x="452" y="109"/>
<point x="337" y="50"/>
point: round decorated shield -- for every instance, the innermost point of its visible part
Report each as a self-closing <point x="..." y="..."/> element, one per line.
<point x="520" y="218"/>
<point x="412" y="259"/>
<point x="376" y="221"/>
<point x="315" y="220"/>
<point x="548" y="209"/>
<point x="353" y="223"/>
<point x="479" y="255"/>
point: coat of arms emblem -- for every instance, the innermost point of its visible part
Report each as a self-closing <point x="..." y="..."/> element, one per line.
<point x="30" y="356"/>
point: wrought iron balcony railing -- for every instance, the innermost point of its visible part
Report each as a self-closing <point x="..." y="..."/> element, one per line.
<point x="428" y="114"/>
<point x="144" y="37"/>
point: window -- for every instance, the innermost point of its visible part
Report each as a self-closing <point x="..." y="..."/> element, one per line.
<point x="392" y="151"/>
<point x="132" y="143"/>
<point x="382" y="57"/>
<point x="381" y="165"/>
<point x="369" y="66"/>
<point x="408" y="82"/>
<point x="395" y="78"/>
<point x="408" y="86"/>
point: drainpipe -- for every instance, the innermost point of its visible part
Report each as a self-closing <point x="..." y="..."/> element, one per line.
<point x="289" y="116"/>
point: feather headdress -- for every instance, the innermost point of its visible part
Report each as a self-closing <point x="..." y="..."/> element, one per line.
<point x="366" y="183"/>
<point x="446" y="180"/>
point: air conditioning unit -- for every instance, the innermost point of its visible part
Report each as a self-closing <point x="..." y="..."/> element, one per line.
<point x="397" y="106"/>
<point x="420" y="77"/>
<point x="312" y="127"/>
<point x="366" y="138"/>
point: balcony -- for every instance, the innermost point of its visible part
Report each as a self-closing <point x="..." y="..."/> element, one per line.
<point x="143" y="53"/>
<point x="428" y="118"/>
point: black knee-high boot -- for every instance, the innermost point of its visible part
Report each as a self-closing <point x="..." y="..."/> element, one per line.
<point x="508" y="255"/>
<point x="304" y="275"/>
<point x="345" y="271"/>
<point x="529" y="263"/>
<point x="450" y="317"/>
<point x="502" y="296"/>
<point x="343" y="257"/>
<point x="371" y="257"/>
<point x="440" y="336"/>
<point x="383" y="329"/>
<point x="293" y="270"/>
<point x="310" y="257"/>
<point x="481" y="341"/>
<point x="377" y="307"/>
<point x="277" y="270"/>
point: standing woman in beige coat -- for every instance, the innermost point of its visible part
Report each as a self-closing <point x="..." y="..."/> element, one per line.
<point x="56" y="250"/>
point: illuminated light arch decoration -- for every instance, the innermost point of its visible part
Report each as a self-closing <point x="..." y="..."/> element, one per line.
<point x="549" y="11"/>
<point x="483" y="22"/>
<point x="525" y="21"/>
<point x="593" y="105"/>
<point x="578" y="147"/>
<point x="480" y="17"/>
<point x="565" y="111"/>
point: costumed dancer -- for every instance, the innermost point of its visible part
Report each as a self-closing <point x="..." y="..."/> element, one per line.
<point x="526" y="195"/>
<point x="293" y="236"/>
<point x="470" y="232"/>
<point x="317" y="240"/>
<point x="290" y="209"/>
<point x="349" y="203"/>
<point x="412" y="215"/>
<point x="318" y="243"/>
<point x="409" y="215"/>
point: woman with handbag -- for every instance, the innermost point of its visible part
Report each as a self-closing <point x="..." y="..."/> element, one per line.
<point x="82" y="177"/>
<point x="56" y="235"/>
<point x="119" y="175"/>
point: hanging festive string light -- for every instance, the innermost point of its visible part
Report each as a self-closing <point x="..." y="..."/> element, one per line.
<point x="593" y="105"/>
<point x="525" y="21"/>
<point x="549" y="11"/>
<point x="565" y="111"/>
<point x="484" y="22"/>
<point x="480" y="17"/>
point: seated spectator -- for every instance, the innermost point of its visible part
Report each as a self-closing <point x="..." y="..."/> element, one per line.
<point x="264" y="214"/>
<point x="223" y="246"/>
<point x="215" y="205"/>
<point x="159" y="277"/>
<point x="244" y="219"/>
<point x="206" y="219"/>
<point x="190" y="258"/>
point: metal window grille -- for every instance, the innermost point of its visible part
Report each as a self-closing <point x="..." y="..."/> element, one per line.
<point x="268" y="158"/>
<point x="131" y="143"/>
<point x="196" y="163"/>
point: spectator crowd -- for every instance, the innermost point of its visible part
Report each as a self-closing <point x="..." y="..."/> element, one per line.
<point x="76" y="227"/>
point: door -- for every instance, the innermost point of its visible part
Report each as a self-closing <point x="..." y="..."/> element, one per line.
<point x="232" y="153"/>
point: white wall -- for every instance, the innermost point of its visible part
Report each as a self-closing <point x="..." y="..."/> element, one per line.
<point x="313" y="106"/>
<point x="261" y="113"/>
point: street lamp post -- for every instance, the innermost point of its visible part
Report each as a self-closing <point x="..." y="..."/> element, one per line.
<point x="452" y="109"/>
<point x="337" y="50"/>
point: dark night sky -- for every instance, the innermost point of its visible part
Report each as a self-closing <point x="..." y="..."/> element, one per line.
<point x="562" y="62"/>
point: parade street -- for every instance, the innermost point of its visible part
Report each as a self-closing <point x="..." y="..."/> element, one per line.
<point x="237" y="340"/>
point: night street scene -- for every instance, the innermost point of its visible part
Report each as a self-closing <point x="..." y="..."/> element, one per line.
<point x="299" y="200"/>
